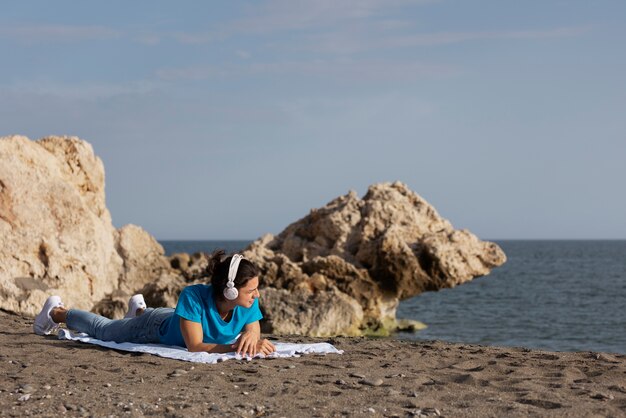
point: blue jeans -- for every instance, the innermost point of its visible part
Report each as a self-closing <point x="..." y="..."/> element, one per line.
<point x="143" y="329"/>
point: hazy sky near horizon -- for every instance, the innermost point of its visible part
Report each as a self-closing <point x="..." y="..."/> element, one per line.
<point x="227" y="120"/>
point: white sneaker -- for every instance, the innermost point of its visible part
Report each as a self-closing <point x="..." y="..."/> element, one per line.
<point x="134" y="303"/>
<point x="44" y="325"/>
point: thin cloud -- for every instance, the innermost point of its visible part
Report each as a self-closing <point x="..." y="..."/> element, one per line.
<point x="58" y="33"/>
<point x="354" y="70"/>
<point x="339" y="69"/>
<point x="355" y="41"/>
<point x="243" y="54"/>
<point x="194" y="38"/>
<point x="277" y="16"/>
<point x="148" y="39"/>
<point x="185" y="38"/>
<point x="193" y="73"/>
<point x="79" y="91"/>
<point x="456" y="37"/>
<point x="29" y="34"/>
<point x="549" y="33"/>
<point x="285" y="15"/>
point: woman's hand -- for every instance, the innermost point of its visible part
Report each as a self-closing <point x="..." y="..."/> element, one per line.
<point x="247" y="343"/>
<point x="250" y="344"/>
<point x="265" y="347"/>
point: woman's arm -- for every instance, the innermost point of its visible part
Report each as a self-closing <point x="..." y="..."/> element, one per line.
<point x="253" y="327"/>
<point x="192" y="334"/>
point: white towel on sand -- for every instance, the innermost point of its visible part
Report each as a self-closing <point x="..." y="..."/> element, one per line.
<point x="179" y="353"/>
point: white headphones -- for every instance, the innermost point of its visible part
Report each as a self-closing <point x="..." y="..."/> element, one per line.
<point x="231" y="292"/>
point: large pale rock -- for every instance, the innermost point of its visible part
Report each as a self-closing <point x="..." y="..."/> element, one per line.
<point x="144" y="258"/>
<point x="388" y="246"/>
<point x="56" y="235"/>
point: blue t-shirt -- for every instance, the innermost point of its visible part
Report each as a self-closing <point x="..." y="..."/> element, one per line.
<point x="196" y="304"/>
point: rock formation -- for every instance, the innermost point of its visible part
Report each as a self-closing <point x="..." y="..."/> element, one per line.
<point x="344" y="268"/>
<point x="56" y="235"/>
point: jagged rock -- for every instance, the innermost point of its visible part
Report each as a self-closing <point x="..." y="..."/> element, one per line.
<point x="191" y="267"/>
<point x="198" y="264"/>
<point x="164" y="291"/>
<point x="56" y="235"/>
<point x="112" y="306"/>
<point x="180" y="261"/>
<point x="311" y="313"/>
<point x="376" y="251"/>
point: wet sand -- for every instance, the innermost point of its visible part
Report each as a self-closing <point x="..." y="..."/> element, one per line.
<point x="44" y="376"/>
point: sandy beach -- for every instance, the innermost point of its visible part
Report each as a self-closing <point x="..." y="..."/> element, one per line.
<point x="44" y="376"/>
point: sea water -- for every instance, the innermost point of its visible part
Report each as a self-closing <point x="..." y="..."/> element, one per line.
<point x="552" y="295"/>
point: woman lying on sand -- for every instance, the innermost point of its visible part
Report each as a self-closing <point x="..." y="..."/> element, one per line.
<point x="220" y="317"/>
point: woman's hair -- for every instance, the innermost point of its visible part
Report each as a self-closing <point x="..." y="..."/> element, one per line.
<point x="217" y="270"/>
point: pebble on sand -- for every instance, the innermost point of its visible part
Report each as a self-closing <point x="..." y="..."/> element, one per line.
<point x="371" y="382"/>
<point x="178" y="373"/>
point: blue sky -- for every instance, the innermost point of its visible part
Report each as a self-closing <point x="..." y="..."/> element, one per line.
<point x="226" y="120"/>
